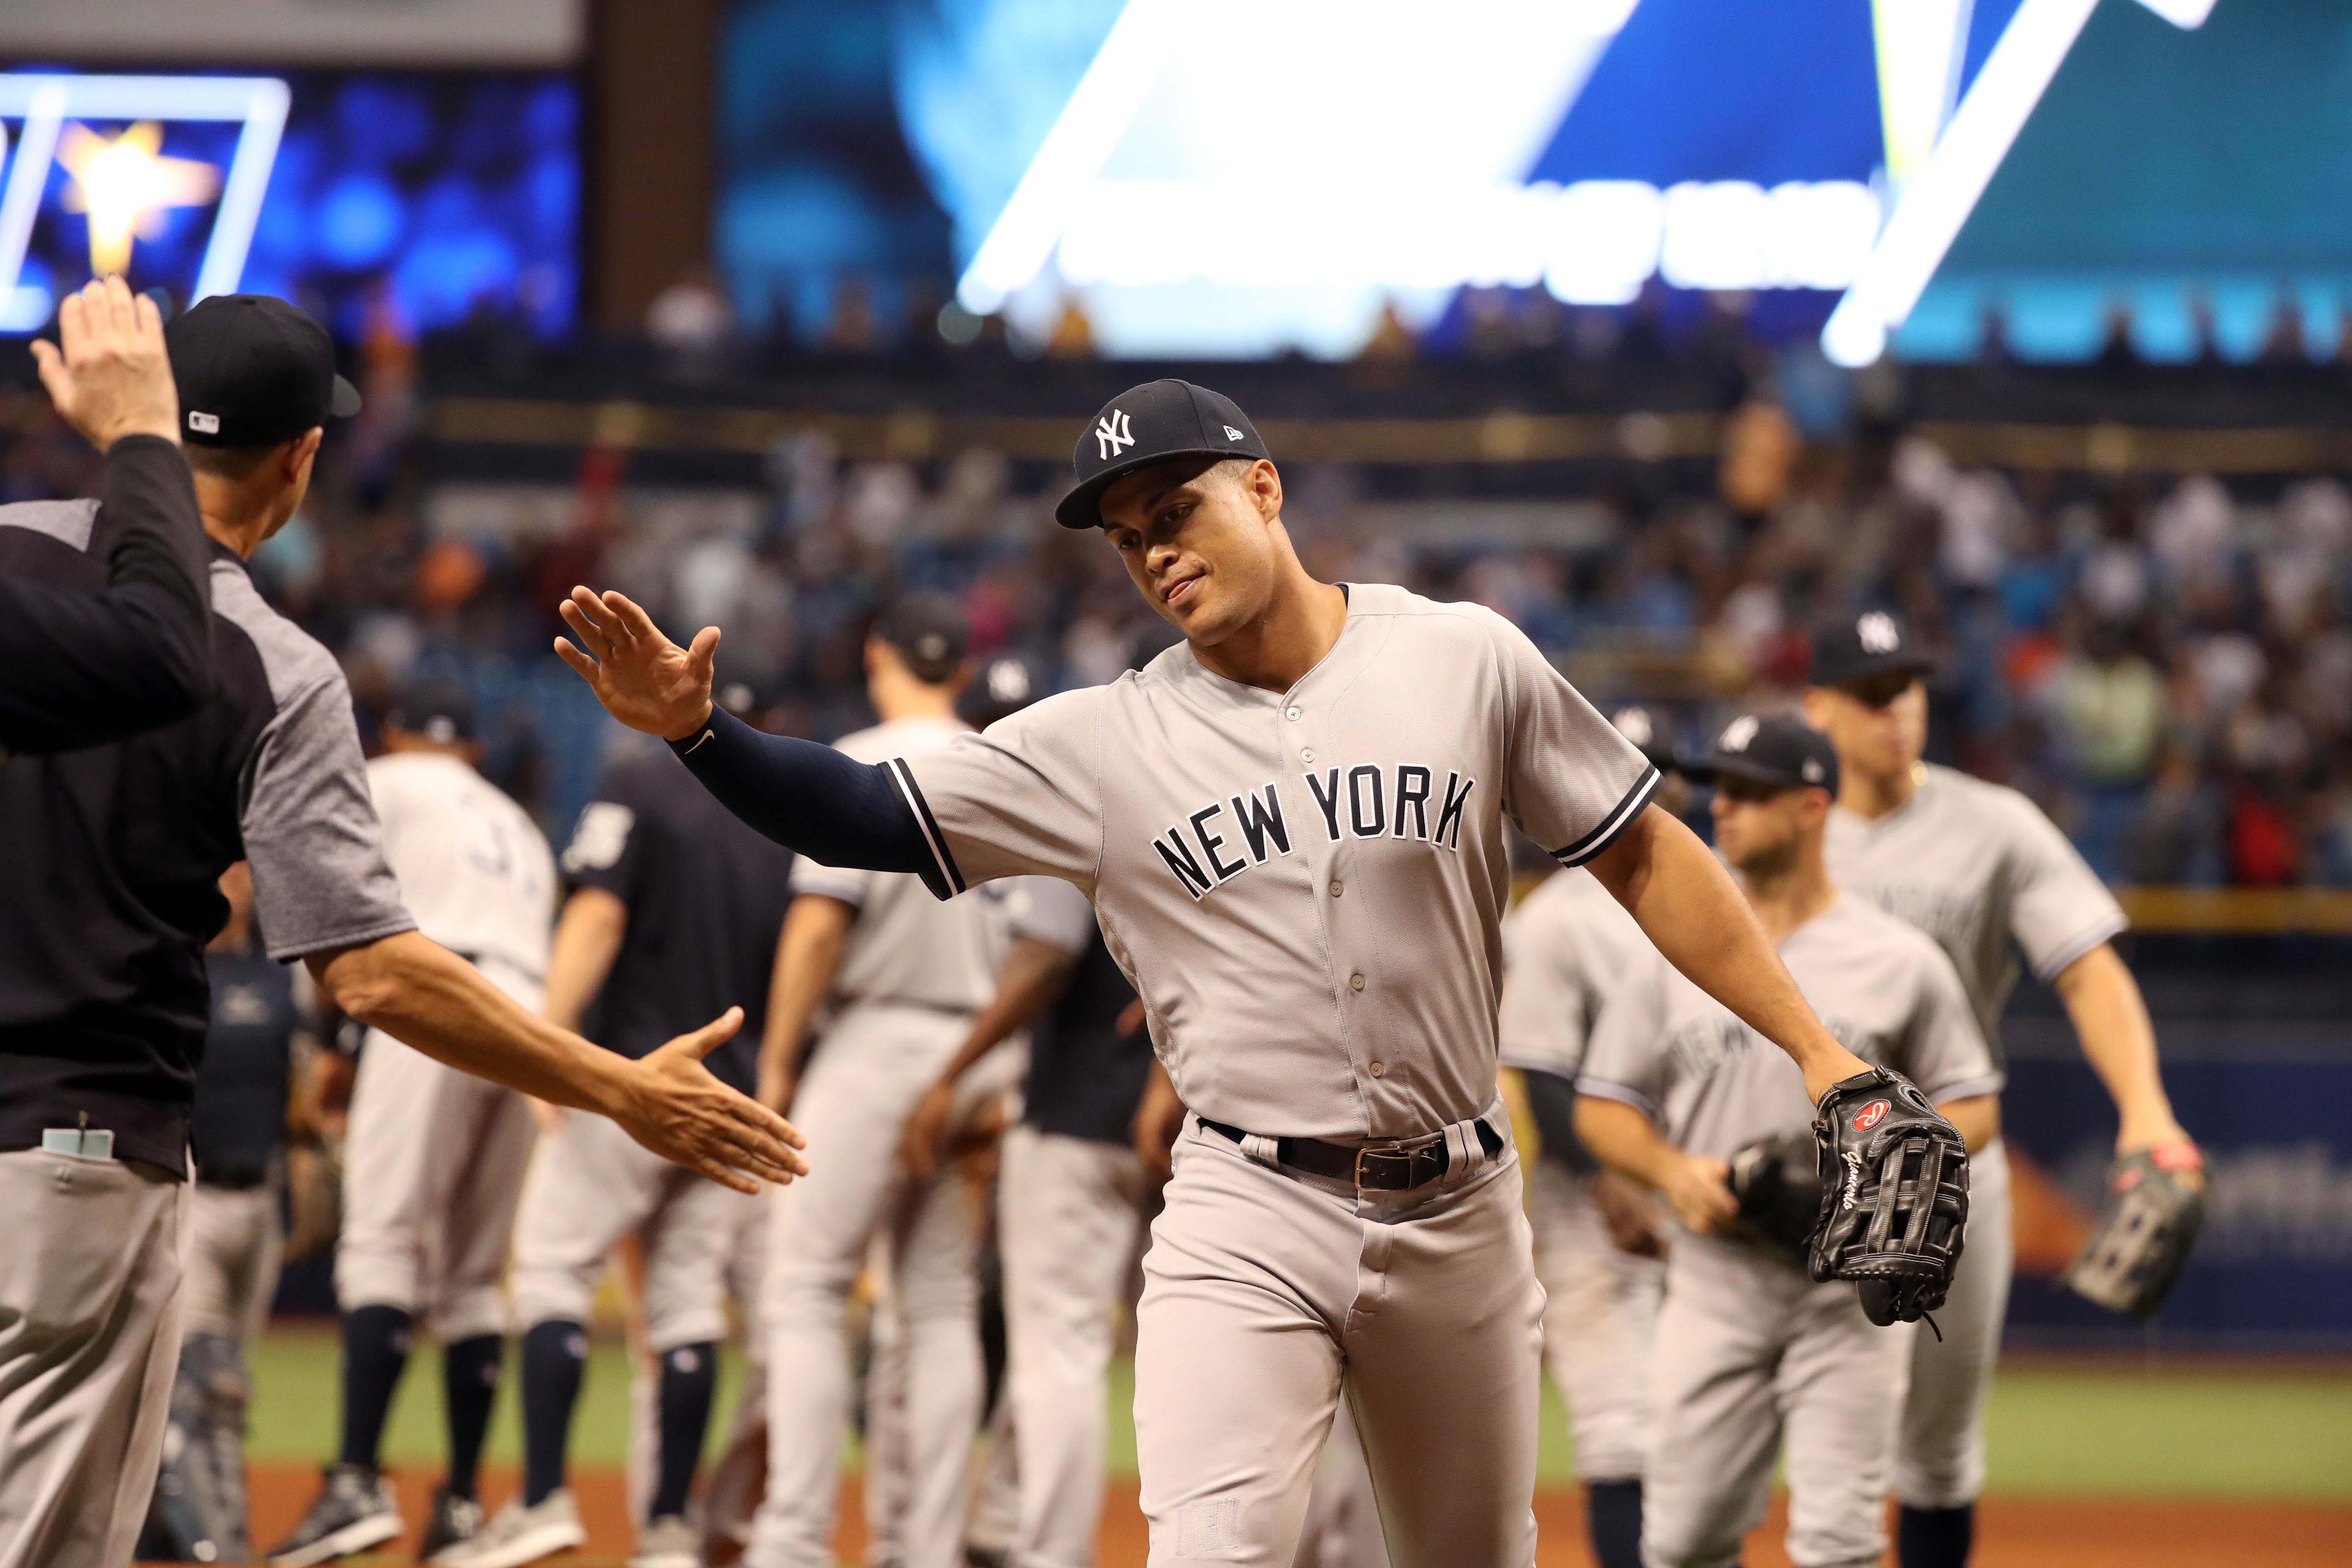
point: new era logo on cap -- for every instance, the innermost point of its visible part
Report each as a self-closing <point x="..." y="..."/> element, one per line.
<point x="1233" y="435"/>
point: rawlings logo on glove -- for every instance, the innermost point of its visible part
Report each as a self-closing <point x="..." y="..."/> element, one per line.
<point x="1894" y="1196"/>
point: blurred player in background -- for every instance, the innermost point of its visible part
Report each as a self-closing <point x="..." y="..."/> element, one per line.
<point x="1749" y="1349"/>
<point x="1979" y="869"/>
<point x="673" y="907"/>
<point x="435" y="1157"/>
<point x="1566" y="948"/>
<point x="897" y="977"/>
<point x="234" y="1236"/>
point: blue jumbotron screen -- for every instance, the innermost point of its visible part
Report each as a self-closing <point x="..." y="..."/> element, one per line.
<point x="430" y="196"/>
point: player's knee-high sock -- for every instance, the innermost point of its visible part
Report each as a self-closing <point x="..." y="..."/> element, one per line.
<point x="469" y="1384"/>
<point x="375" y="1352"/>
<point x="554" y="1356"/>
<point x="1936" y="1537"/>
<point x="1613" y="1513"/>
<point x="689" y="1378"/>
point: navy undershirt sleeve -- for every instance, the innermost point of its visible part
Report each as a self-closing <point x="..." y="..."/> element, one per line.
<point x="811" y="799"/>
<point x="1552" y="1104"/>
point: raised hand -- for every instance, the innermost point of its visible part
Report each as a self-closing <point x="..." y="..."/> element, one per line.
<point x="643" y="679"/>
<point x="678" y="1109"/>
<point x="108" y="372"/>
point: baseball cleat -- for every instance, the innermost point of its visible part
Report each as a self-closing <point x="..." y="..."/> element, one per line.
<point x="517" y="1534"/>
<point x="354" y="1512"/>
<point x="454" y="1522"/>
<point x="668" y="1541"/>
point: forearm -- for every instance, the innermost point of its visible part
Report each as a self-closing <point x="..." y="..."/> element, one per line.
<point x="1692" y="912"/>
<point x="2111" y="1019"/>
<point x="88" y="667"/>
<point x="808" y="955"/>
<point x="1625" y="1140"/>
<point x="1551" y="1103"/>
<point x="1032" y="977"/>
<point x="810" y="798"/>
<point x="587" y="938"/>
<point x="425" y="996"/>
<point x="1977" y="1118"/>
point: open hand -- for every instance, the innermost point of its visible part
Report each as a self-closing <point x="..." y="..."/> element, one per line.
<point x="1700" y="1190"/>
<point x="678" y="1109"/>
<point x="108" y="372"/>
<point x="643" y="679"/>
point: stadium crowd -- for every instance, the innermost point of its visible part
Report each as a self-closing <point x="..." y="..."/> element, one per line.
<point x="2166" y="666"/>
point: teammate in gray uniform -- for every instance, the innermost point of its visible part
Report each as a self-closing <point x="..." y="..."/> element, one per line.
<point x="434" y="1158"/>
<point x="1749" y="1349"/>
<point x="1980" y="870"/>
<point x="1293" y="831"/>
<point x="897" y="977"/>
<point x="1566" y="948"/>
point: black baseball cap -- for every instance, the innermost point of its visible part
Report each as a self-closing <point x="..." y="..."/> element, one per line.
<point x="1873" y="643"/>
<point x="1004" y="685"/>
<point x="1779" y="750"/>
<point x="1150" y="424"/>
<point x="930" y="632"/>
<point x="253" y="371"/>
<point x="1652" y="733"/>
<point x="439" y="710"/>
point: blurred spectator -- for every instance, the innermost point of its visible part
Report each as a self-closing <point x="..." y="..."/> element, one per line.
<point x="691" y="320"/>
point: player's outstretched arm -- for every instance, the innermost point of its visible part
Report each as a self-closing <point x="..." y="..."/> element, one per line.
<point x="809" y="798"/>
<point x="1627" y="1142"/>
<point x="2110" y="1018"/>
<point x="420" y="992"/>
<point x="1032" y="976"/>
<point x="1688" y="905"/>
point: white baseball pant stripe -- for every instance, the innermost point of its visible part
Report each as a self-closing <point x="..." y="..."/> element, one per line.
<point x="89" y="1343"/>
<point x="1268" y="1293"/>
<point x="1750" y="1353"/>
<point x="1942" y="1459"/>
<point x="233" y="1239"/>
<point x="1070" y="1210"/>
<point x="590" y="1185"/>
<point x="1600" y="1316"/>
<point x="871" y="1068"/>
<point x="433" y="1171"/>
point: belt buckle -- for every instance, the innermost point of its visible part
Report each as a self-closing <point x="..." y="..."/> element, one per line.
<point x="1404" y="1161"/>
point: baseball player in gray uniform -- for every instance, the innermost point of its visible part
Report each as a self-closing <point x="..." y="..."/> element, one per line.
<point x="898" y="976"/>
<point x="1749" y="1349"/>
<point x="1980" y="870"/>
<point x="1293" y="831"/>
<point x="434" y="1158"/>
<point x="1566" y="947"/>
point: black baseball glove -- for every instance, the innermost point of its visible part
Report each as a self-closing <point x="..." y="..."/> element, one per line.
<point x="2144" y="1238"/>
<point x="1778" y="1182"/>
<point x="1895" y="1195"/>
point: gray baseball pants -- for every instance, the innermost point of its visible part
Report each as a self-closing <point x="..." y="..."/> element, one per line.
<point x="1941" y="1463"/>
<point x="433" y="1172"/>
<point x="1601" y="1315"/>
<point x="1269" y="1294"/>
<point x="1069" y="1213"/>
<point x="89" y="1342"/>
<point x="1750" y="1353"/>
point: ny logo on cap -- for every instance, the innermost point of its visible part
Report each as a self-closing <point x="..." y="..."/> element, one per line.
<point x="1878" y="633"/>
<point x="1738" y="734"/>
<point x="1634" y="725"/>
<point x="1113" y="434"/>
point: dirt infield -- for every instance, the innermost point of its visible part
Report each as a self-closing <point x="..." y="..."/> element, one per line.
<point x="2015" y="1532"/>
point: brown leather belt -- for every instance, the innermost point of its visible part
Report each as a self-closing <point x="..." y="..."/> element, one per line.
<point x="1374" y="1167"/>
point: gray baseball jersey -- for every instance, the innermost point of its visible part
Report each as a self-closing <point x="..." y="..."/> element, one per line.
<point x="905" y="946"/>
<point x="1979" y="869"/>
<point x="1713" y="1085"/>
<point x="474" y="868"/>
<point x="1306" y="887"/>
<point x="1567" y="945"/>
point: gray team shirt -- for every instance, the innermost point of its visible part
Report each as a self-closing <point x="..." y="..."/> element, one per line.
<point x="1979" y="869"/>
<point x="906" y="948"/>
<point x="1565" y="948"/>
<point x="1306" y="887"/>
<point x="1713" y="1085"/>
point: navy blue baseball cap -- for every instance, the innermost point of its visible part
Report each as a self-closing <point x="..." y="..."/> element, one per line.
<point x="1652" y="733"/>
<point x="1779" y="750"/>
<point x="253" y="371"/>
<point x="1863" y="647"/>
<point x="440" y="711"/>
<point x="1147" y="425"/>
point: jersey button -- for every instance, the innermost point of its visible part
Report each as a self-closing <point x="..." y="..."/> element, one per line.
<point x="1355" y="983"/>
<point x="1291" y="711"/>
<point x="1379" y="1069"/>
<point x="1305" y="754"/>
<point x="1338" y="887"/>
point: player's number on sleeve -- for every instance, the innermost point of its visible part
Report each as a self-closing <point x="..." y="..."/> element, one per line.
<point x="602" y="834"/>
